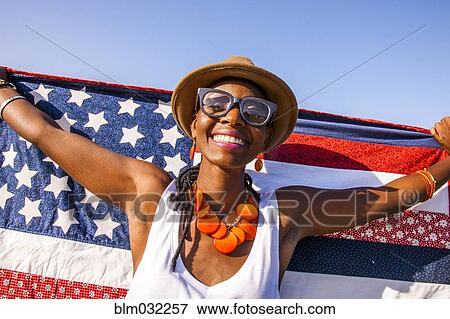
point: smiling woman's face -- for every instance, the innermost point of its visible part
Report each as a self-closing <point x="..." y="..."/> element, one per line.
<point x="225" y="153"/>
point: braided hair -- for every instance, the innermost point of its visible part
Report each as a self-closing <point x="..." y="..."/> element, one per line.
<point x="185" y="207"/>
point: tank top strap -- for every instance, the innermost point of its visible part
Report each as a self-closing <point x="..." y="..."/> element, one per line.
<point x="266" y="255"/>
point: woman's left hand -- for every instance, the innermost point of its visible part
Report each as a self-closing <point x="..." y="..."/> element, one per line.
<point x="441" y="132"/>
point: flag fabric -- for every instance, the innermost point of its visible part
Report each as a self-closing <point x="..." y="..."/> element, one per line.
<point x="58" y="241"/>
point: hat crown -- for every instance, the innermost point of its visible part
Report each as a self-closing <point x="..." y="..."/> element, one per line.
<point x="238" y="59"/>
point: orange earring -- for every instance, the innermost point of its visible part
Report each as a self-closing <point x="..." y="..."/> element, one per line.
<point x="258" y="164"/>
<point x="192" y="151"/>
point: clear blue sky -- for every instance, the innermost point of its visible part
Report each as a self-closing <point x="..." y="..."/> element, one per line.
<point x="307" y="43"/>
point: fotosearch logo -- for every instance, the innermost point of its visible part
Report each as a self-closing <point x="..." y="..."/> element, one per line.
<point x="304" y="208"/>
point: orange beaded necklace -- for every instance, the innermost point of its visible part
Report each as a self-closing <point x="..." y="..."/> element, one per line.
<point x="226" y="236"/>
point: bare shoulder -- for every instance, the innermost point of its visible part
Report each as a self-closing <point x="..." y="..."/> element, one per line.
<point x="149" y="177"/>
<point x="150" y="183"/>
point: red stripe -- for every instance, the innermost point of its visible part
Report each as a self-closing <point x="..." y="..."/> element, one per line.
<point x="15" y="284"/>
<point x="338" y="153"/>
<point x="420" y="228"/>
<point x="90" y="82"/>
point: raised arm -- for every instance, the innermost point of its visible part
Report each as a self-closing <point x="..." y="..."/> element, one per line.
<point x="321" y="211"/>
<point x="103" y="172"/>
<point x="111" y="176"/>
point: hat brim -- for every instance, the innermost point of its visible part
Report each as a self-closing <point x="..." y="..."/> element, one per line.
<point x="276" y="90"/>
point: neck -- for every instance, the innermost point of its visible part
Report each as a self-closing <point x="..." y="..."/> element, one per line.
<point x="225" y="187"/>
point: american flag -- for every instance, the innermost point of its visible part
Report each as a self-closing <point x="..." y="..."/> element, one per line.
<point x="58" y="241"/>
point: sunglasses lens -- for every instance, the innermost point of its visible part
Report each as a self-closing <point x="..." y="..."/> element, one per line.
<point x="215" y="103"/>
<point x="255" y="112"/>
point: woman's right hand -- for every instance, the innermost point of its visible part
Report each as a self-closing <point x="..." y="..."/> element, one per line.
<point x="441" y="132"/>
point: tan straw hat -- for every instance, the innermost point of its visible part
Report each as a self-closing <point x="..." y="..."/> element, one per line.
<point x="276" y="90"/>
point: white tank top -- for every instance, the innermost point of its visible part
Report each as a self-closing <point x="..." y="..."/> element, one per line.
<point x="257" y="277"/>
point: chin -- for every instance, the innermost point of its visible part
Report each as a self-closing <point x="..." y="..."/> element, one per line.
<point x="227" y="161"/>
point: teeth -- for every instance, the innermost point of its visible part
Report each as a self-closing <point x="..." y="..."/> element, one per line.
<point x="228" y="139"/>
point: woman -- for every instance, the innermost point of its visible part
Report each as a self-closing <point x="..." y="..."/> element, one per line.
<point x="231" y="242"/>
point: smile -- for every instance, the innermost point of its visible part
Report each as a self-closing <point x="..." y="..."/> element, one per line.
<point x="228" y="139"/>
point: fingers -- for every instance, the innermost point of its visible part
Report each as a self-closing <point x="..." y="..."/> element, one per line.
<point x="446" y="122"/>
<point x="441" y="132"/>
<point x="438" y="128"/>
<point x="433" y="131"/>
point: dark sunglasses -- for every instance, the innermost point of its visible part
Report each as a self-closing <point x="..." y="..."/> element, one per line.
<point x="217" y="103"/>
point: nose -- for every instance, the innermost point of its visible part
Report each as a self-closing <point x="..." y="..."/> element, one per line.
<point x="233" y="117"/>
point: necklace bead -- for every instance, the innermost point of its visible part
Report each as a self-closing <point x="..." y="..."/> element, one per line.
<point x="220" y="232"/>
<point x="226" y="244"/>
<point x="208" y="224"/>
<point x="226" y="236"/>
<point x="240" y="235"/>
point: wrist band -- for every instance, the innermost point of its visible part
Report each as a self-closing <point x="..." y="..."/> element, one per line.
<point x="430" y="182"/>
<point x="4" y="83"/>
<point x="433" y="181"/>
<point x="6" y="102"/>
<point x="425" y="171"/>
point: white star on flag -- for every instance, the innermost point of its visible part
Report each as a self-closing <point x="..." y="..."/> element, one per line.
<point x="129" y="106"/>
<point x="131" y="135"/>
<point x="57" y="185"/>
<point x="4" y="195"/>
<point x="40" y="94"/>
<point x="78" y="97"/>
<point x="48" y="159"/>
<point x="30" y="210"/>
<point x="105" y="226"/>
<point x="26" y="142"/>
<point x="163" y="108"/>
<point x="148" y="159"/>
<point x="65" y="219"/>
<point x="90" y="198"/>
<point x="65" y="122"/>
<point x="9" y="155"/>
<point x="170" y="136"/>
<point x="24" y="176"/>
<point x="174" y="164"/>
<point x="96" y="120"/>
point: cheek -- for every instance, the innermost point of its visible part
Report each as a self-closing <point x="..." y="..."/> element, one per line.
<point x="259" y="138"/>
<point x="204" y="124"/>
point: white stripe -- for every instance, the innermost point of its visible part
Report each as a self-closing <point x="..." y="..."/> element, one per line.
<point x="279" y="174"/>
<point x="312" y="285"/>
<point x="65" y="259"/>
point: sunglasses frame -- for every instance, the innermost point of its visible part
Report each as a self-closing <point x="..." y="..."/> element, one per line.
<point x="201" y="92"/>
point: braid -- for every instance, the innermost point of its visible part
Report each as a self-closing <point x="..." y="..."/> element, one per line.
<point x="248" y="183"/>
<point x="183" y="183"/>
<point x="182" y="204"/>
